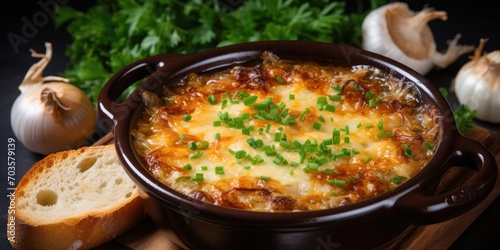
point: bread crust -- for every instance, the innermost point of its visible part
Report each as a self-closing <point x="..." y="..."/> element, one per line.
<point x="83" y="231"/>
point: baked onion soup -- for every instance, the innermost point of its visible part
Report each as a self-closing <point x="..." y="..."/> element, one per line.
<point x="280" y="135"/>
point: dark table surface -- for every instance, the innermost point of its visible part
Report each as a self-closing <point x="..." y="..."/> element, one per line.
<point x="473" y="20"/>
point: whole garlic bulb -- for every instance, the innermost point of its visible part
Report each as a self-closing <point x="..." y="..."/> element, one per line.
<point x="477" y="84"/>
<point x="394" y="31"/>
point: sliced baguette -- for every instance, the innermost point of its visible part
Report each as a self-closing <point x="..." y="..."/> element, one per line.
<point x="75" y="199"/>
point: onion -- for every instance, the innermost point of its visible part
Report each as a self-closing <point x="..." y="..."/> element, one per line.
<point x="477" y="84"/>
<point x="51" y="114"/>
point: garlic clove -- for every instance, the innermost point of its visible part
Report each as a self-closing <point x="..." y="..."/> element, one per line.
<point x="394" y="31"/>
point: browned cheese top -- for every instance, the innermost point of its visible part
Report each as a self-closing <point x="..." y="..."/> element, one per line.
<point x="286" y="135"/>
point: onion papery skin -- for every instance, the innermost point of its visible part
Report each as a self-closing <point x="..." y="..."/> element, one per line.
<point x="36" y="129"/>
<point x="477" y="85"/>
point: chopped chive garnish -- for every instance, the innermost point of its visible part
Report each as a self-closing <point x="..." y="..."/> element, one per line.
<point x="187" y="167"/>
<point x="217" y="123"/>
<point x="291" y="96"/>
<point x="212" y="99"/>
<point x="369" y="126"/>
<point x="358" y="125"/>
<point x="249" y="100"/>
<point x="219" y="170"/>
<point x="346" y="139"/>
<point x="335" y="97"/>
<point x="321" y="118"/>
<point x="204" y="168"/>
<point x="336" y="182"/>
<point x="380" y="124"/>
<point x="279" y="80"/>
<point x="302" y="116"/>
<point x="369" y="95"/>
<point x="202" y="145"/>
<point x="198" y="177"/>
<point x="192" y="145"/>
<point x="381" y="134"/>
<point x="247" y="167"/>
<point x="196" y="155"/>
<point x="428" y="146"/>
<point x="321" y="102"/>
<point x="398" y="179"/>
<point x="265" y="178"/>
<point x="407" y="151"/>
<point x="330" y="108"/>
<point x="346" y="129"/>
<point x="374" y="102"/>
<point x="245" y="131"/>
<point x="217" y="136"/>
<point x="182" y="137"/>
<point x="186" y="117"/>
<point x="240" y="154"/>
<point x="367" y="159"/>
<point x="335" y="86"/>
<point x="224" y="104"/>
<point x="317" y="125"/>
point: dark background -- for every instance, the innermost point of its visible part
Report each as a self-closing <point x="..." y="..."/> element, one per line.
<point x="474" y="20"/>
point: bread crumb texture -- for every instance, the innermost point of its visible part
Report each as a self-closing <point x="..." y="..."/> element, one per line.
<point x="90" y="180"/>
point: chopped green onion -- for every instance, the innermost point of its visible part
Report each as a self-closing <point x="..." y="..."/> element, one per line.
<point x="198" y="177"/>
<point x="304" y="113"/>
<point x="204" y="168"/>
<point x="279" y="80"/>
<point x="186" y="117"/>
<point x="202" y="145"/>
<point x="367" y="159"/>
<point x="369" y="95"/>
<point x="217" y="123"/>
<point x="335" y="97"/>
<point x="187" y="167"/>
<point x="249" y="100"/>
<point x="380" y="124"/>
<point x="265" y="178"/>
<point x="182" y="137"/>
<point x="219" y="170"/>
<point x="192" y="145"/>
<point x="369" y="126"/>
<point x="428" y="146"/>
<point x="317" y="125"/>
<point x="240" y="154"/>
<point x="336" y="182"/>
<point x="398" y="179"/>
<point x="291" y="96"/>
<point x="212" y="99"/>
<point x="407" y="151"/>
<point x="330" y="108"/>
<point x="196" y="155"/>
<point x="217" y="136"/>
<point x="335" y="86"/>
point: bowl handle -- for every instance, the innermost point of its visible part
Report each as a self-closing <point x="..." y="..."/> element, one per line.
<point x="109" y="108"/>
<point x="417" y="207"/>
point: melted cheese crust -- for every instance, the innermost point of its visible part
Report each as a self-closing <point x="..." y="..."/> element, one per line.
<point x="280" y="135"/>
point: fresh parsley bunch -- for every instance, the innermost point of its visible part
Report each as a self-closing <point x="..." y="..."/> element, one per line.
<point x="112" y="34"/>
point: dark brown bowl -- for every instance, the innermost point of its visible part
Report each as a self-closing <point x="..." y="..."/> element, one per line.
<point x="368" y="224"/>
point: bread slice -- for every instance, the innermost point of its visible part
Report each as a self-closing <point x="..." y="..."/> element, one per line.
<point x="75" y="199"/>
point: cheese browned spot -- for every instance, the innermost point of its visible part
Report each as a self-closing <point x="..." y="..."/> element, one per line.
<point x="286" y="135"/>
